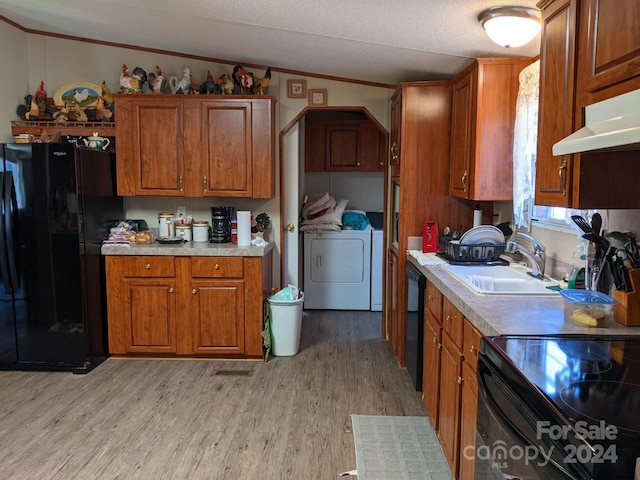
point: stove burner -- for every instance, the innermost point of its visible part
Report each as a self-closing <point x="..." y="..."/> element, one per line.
<point x="617" y="403"/>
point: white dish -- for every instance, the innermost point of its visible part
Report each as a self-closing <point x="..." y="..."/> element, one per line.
<point x="482" y="235"/>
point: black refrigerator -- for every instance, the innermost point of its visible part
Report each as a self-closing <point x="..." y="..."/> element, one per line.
<point x="57" y="204"/>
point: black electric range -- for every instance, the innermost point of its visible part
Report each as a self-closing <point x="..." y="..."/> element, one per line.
<point x="563" y="407"/>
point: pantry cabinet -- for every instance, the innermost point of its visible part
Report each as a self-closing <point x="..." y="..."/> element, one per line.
<point x="344" y="146"/>
<point x="195" y="146"/>
<point x="590" y="52"/>
<point x="483" y="117"/>
<point x="186" y="306"/>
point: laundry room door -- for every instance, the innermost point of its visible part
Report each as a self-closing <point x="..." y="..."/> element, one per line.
<point x="290" y="178"/>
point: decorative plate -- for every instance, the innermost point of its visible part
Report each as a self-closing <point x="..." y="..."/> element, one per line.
<point x="84" y="93"/>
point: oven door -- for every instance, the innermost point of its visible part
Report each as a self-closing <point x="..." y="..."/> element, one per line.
<point x="507" y="443"/>
<point x="416" y="284"/>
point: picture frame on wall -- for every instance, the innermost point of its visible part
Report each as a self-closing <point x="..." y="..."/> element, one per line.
<point x="297" y="88"/>
<point x="318" y="97"/>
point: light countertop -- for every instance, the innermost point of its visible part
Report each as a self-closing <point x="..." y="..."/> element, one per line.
<point x="189" y="249"/>
<point x="511" y="315"/>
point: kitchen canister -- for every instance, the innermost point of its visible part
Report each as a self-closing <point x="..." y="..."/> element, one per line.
<point x="184" y="232"/>
<point x="166" y="227"/>
<point x="200" y="231"/>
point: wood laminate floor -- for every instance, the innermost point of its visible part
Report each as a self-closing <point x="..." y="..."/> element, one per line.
<point x="289" y="418"/>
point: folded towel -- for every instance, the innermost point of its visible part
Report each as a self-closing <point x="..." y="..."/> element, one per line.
<point x="334" y="215"/>
<point x="316" y="203"/>
<point x="425" y="259"/>
<point x="482" y="282"/>
<point x="355" y="220"/>
<point x="320" y="227"/>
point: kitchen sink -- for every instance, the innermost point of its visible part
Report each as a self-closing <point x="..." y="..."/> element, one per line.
<point x="500" y="280"/>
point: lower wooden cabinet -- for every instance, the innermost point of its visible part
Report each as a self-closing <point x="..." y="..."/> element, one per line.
<point x="193" y="306"/>
<point x="449" y="384"/>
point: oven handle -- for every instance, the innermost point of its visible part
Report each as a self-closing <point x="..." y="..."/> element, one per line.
<point x="485" y="364"/>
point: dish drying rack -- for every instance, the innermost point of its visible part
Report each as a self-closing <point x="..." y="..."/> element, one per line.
<point x="463" y="254"/>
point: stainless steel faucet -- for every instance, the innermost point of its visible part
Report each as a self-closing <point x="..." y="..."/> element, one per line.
<point x="536" y="259"/>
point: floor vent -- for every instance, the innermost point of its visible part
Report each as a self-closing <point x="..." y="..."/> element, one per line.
<point x="235" y="373"/>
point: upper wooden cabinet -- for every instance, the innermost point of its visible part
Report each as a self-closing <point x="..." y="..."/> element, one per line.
<point x="483" y="116"/>
<point x="590" y="52"/>
<point x="395" y="135"/>
<point x="195" y="146"/>
<point x="344" y="146"/>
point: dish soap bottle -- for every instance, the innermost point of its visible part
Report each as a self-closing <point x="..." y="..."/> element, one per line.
<point x="578" y="261"/>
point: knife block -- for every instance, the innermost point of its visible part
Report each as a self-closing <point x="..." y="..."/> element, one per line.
<point x="627" y="308"/>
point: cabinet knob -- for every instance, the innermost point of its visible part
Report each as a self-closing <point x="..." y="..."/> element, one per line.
<point x="459" y="380"/>
<point x="358" y="164"/>
<point x="472" y="348"/>
<point x="180" y="182"/>
<point x="170" y="290"/>
<point x="148" y="266"/>
<point x="448" y="318"/>
<point x="217" y="267"/>
<point x="194" y="291"/>
<point x="204" y="183"/>
<point x="291" y="227"/>
<point x="435" y="339"/>
<point x="394" y="152"/>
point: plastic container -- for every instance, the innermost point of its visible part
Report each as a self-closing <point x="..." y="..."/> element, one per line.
<point x="587" y="308"/>
<point x="286" y="325"/>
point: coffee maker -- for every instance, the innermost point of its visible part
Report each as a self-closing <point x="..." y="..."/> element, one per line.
<point x="221" y="224"/>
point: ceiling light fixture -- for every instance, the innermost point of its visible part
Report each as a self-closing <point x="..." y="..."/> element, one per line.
<point x="511" y="26"/>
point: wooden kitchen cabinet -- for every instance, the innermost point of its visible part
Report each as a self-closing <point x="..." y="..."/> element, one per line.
<point x="590" y="52"/>
<point x="484" y="102"/>
<point x="450" y="397"/>
<point x="469" y="401"/>
<point x="431" y="366"/>
<point x="344" y="146"/>
<point x="195" y="146"/>
<point x="186" y="306"/>
<point x="395" y="134"/>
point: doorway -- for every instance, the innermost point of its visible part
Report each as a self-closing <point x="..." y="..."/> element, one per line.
<point x="295" y="182"/>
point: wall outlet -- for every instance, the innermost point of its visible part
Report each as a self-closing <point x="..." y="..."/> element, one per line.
<point x="181" y="211"/>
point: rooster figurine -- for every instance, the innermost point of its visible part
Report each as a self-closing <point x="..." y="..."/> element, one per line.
<point x="106" y="94"/>
<point x="261" y="85"/>
<point x="242" y="80"/>
<point x="34" y="112"/>
<point x="40" y="97"/>
<point x="157" y="82"/>
<point x="132" y="83"/>
<point x="225" y="84"/>
<point x="80" y="115"/>
<point x="209" y="85"/>
<point x="102" y="112"/>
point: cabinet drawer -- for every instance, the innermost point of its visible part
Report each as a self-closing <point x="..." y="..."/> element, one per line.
<point x="471" y="344"/>
<point x="433" y="300"/>
<point x="452" y="322"/>
<point x="216" y="267"/>
<point x="149" y="267"/>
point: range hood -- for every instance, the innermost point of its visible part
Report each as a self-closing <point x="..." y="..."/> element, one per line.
<point x="612" y="124"/>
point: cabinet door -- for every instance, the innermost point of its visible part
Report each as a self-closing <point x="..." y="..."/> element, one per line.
<point x="226" y="150"/>
<point x="610" y="45"/>
<point x="431" y="367"/>
<point x="149" y="150"/>
<point x="314" y="146"/>
<point x="468" y="417"/>
<point x="372" y="147"/>
<point x="341" y="147"/>
<point x="218" y="316"/>
<point x="462" y="134"/>
<point x="449" y="408"/>
<point x="150" y="315"/>
<point x="556" y="110"/>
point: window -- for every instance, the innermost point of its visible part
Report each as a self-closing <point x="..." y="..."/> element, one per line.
<point x="559" y="218"/>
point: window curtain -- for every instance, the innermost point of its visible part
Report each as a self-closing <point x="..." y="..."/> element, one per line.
<point x="525" y="143"/>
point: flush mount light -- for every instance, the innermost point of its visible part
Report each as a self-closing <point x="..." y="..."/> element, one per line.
<point x="511" y="26"/>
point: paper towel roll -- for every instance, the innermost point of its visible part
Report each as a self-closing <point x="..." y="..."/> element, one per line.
<point x="477" y="218"/>
<point x="244" y="228"/>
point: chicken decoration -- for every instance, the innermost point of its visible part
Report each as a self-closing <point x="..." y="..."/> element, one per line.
<point x="102" y="112"/>
<point x="40" y="98"/>
<point x="225" y="84"/>
<point x="183" y="84"/>
<point x="157" y="82"/>
<point x="261" y="85"/>
<point x="242" y="80"/>
<point x="132" y="83"/>
<point x="209" y="85"/>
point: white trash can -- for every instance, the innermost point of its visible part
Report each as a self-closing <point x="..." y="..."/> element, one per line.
<point x="286" y="324"/>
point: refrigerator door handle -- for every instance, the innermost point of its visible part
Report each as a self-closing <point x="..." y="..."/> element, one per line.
<point x="10" y="213"/>
<point x="4" y="264"/>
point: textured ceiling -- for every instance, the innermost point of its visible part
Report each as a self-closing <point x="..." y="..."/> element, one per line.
<point x="379" y="41"/>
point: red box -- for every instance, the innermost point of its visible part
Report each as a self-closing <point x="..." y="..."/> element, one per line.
<point x="430" y="237"/>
